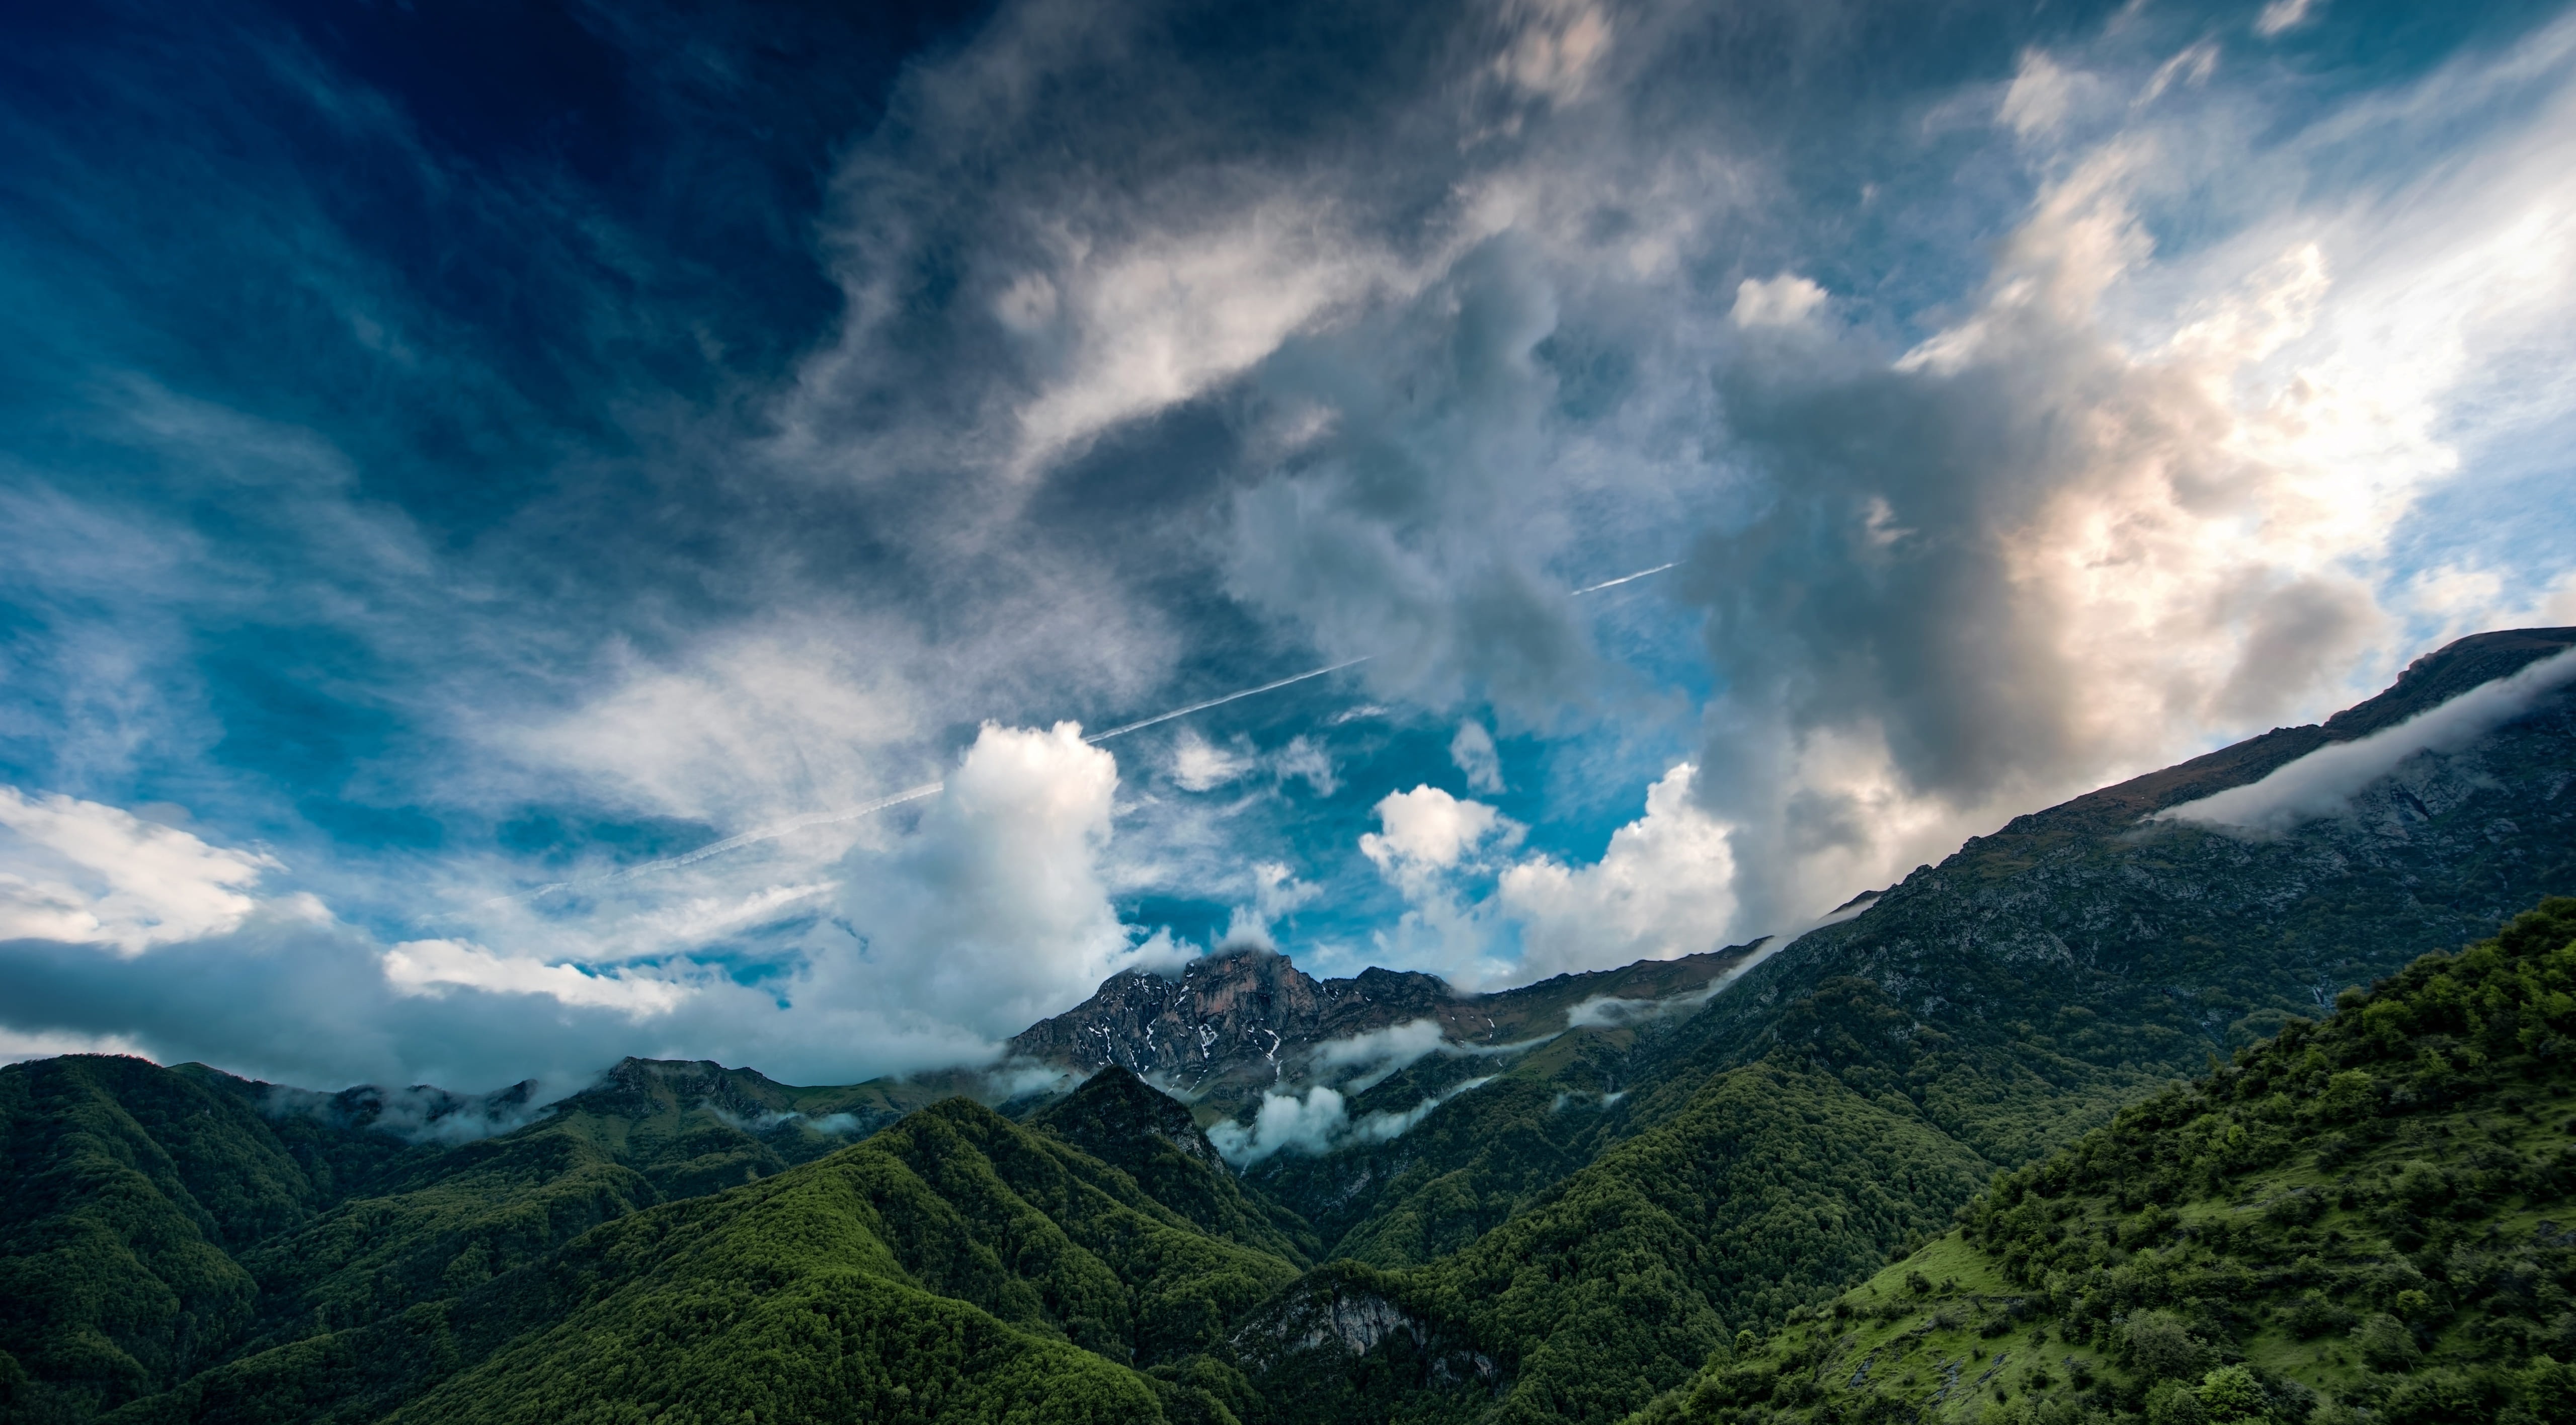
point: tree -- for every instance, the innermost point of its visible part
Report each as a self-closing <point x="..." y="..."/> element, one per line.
<point x="2385" y="1344"/>
<point x="2160" y="1348"/>
<point x="2231" y="1396"/>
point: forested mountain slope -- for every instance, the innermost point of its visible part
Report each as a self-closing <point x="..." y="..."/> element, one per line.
<point x="2083" y="952"/>
<point x="2366" y="1218"/>
<point x="956" y="1266"/>
<point x="2003" y="1003"/>
<point x="158" y="1220"/>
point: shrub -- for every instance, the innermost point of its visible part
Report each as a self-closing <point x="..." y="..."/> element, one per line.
<point x="2160" y="1348"/>
<point x="2385" y="1344"/>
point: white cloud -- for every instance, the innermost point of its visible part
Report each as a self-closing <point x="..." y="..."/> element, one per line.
<point x="19" y="1045"/>
<point x="2281" y="15"/>
<point x="1555" y="47"/>
<point x="2192" y="66"/>
<point x="2042" y="96"/>
<point x="1427" y="830"/>
<point x="1276" y="892"/>
<point x="92" y="874"/>
<point x="2323" y="782"/>
<point x="749" y="727"/>
<point x="1782" y="301"/>
<point x="435" y="967"/>
<point x="1199" y="765"/>
<point x="1317" y="1122"/>
<point x="1306" y="760"/>
<point x="1378" y="1053"/>
<point x="1664" y="887"/>
<point x="1157" y="318"/>
<point x="994" y="914"/>
<point x="1472" y="752"/>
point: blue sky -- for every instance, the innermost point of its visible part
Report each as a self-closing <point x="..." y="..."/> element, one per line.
<point x="456" y="462"/>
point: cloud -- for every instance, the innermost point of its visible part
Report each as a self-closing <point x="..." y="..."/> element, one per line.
<point x="2282" y="15"/>
<point x="1276" y="893"/>
<point x="18" y="1046"/>
<point x="2044" y="95"/>
<point x="2323" y="782"/>
<point x="1426" y="830"/>
<point x="1370" y="1058"/>
<point x="1304" y="759"/>
<point x="1199" y="765"/>
<point x="1782" y="301"/>
<point x="1665" y="886"/>
<point x="420" y="1113"/>
<point x="2122" y="506"/>
<point x="1555" y="46"/>
<point x="1115" y="347"/>
<point x="1472" y="752"/>
<point x="434" y="967"/>
<point x="994" y="914"/>
<point x="91" y="874"/>
<point x="745" y="727"/>
<point x="1317" y="1122"/>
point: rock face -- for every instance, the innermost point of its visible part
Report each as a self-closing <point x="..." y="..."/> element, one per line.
<point x="1242" y="1018"/>
<point x="1233" y="1024"/>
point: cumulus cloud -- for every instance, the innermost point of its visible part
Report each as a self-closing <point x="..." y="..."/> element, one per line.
<point x="93" y="874"/>
<point x="994" y="914"/>
<point x="2088" y="526"/>
<point x="1665" y="886"/>
<point x="1430" y="847"/>
<point x="2324" y="782"/>
<point x="1426" y="830"/>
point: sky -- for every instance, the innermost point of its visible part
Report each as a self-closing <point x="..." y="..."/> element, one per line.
<point x="531" y="533"/>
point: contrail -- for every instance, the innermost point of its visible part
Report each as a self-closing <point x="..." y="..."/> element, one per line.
<point x="1622" y="579"/>
<point x="932" y="789"/>
<point x="793" y="823"/>
<point x="927" y="789"/>
<point x="766" y="833"/>
<point x="1230" y="697"/>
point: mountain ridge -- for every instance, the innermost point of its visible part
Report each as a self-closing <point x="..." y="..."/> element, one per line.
<point x="1553" y="1233"/>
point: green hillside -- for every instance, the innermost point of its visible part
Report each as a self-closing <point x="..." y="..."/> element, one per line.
<point x="954" y="1266"/>
<point x="2362" y="1219"/>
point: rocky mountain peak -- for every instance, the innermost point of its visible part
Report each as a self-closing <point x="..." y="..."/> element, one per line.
<point x="1230" y="1025"/>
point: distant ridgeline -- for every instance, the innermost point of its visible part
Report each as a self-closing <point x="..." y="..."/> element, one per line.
<point x="1581" y="1200"/>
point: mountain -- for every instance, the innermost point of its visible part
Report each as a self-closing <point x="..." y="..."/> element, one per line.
<point x="2007" y="1001"/>
<point x="2366" y="1214"/>
<point x="1565" y="1203"/>
<point x="157" y="1220"/>
<point x="1234" y="1024"/>
<point x="954" y="1266"/>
